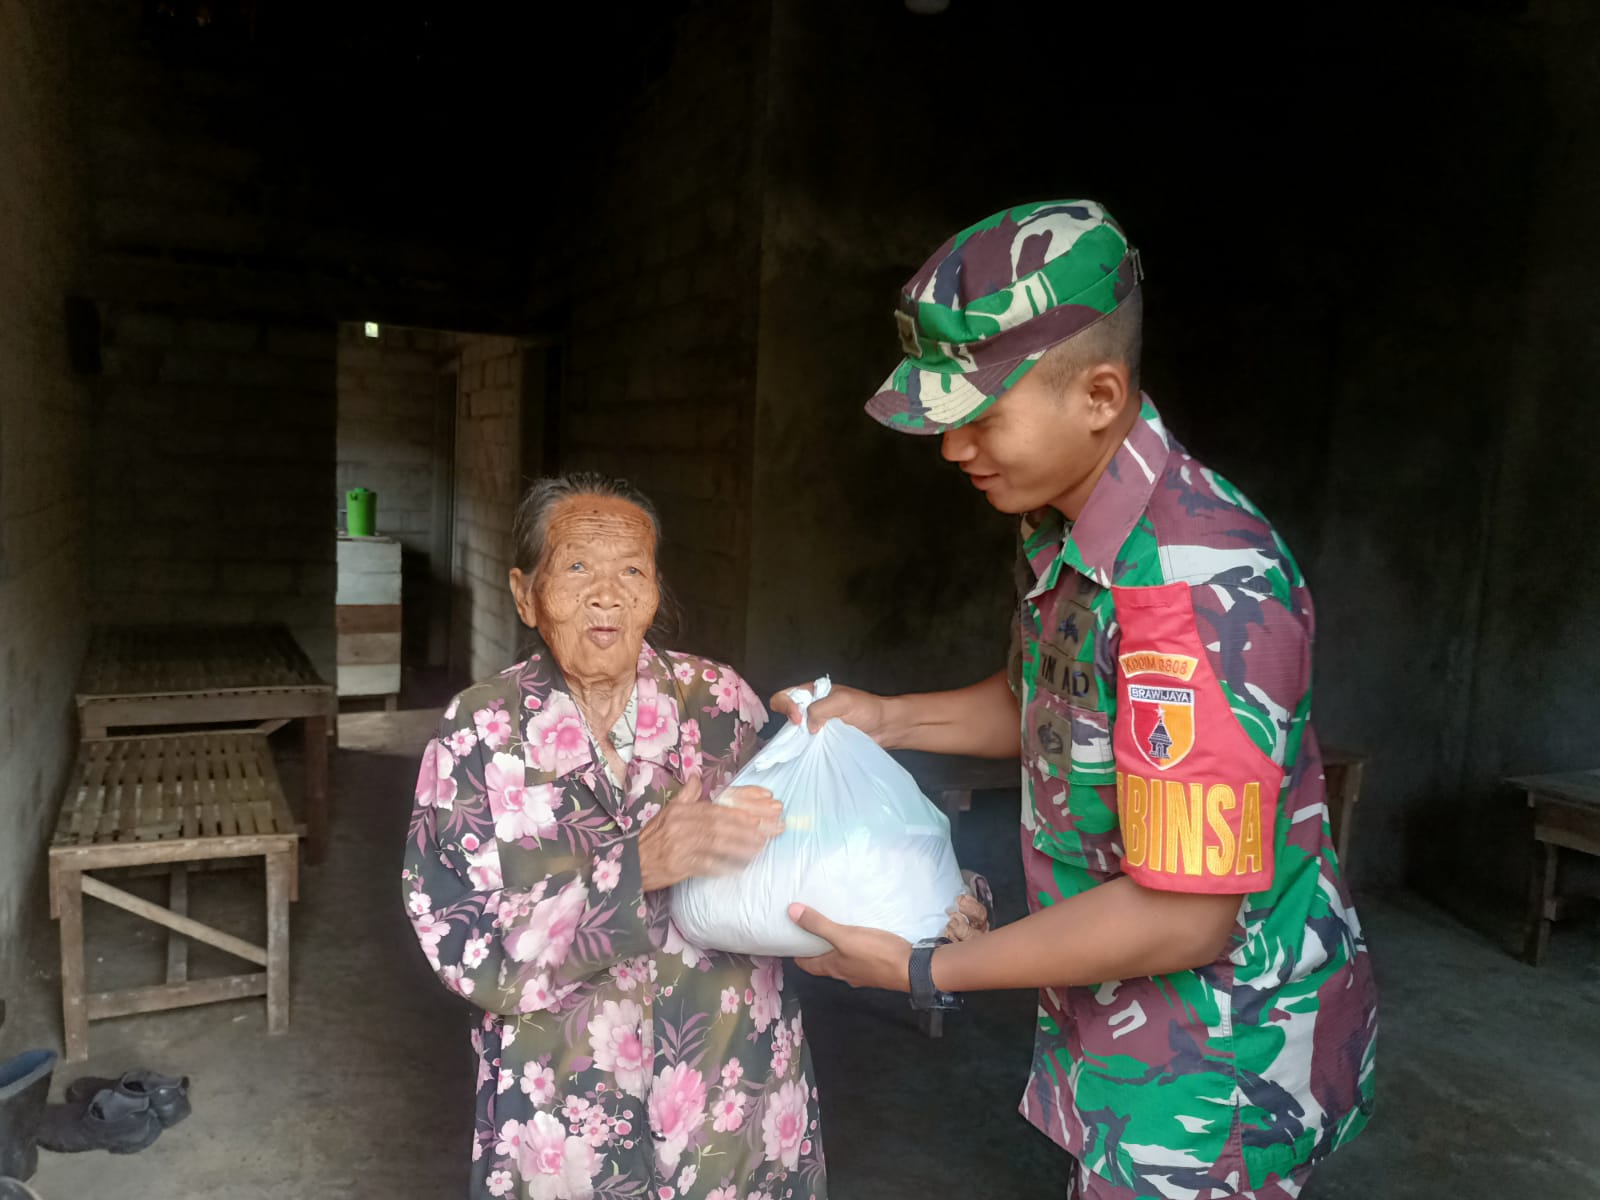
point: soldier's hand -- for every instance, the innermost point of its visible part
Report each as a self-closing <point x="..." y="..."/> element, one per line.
<point x="866" y="711"/>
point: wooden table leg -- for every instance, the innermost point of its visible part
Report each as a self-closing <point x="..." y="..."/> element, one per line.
<point x="1541" y="901"/>
<point x="279" y="865"/>
<point x="177" y="944"/>
<point x="74" y="1010"/>
<point x="316" y="754"/>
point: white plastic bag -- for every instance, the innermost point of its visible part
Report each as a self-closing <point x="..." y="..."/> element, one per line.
<point x="862" y="845"/>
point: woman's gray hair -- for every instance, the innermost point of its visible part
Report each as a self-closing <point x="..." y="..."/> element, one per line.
<point x="530" y="527"/>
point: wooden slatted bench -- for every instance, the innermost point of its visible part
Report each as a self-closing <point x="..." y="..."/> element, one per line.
<point x="172" y="799"/>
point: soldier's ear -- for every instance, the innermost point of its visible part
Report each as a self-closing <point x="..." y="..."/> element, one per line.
<point x="1108" y="390"/>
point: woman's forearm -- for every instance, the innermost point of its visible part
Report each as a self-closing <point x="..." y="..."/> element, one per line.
<point x="982" y="720"/>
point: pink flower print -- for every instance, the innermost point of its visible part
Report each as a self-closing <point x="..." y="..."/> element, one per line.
<point x="649" y="813"/>
<point x="722" y="1193"/>
<point x="783" y="1126"/>
<point x="532" y="703"/>
<point x="677" y="1110"/>
<point x="709" y="674"/>
<point x="484" y="869"/>
<point x="519" y="811"/>
<point x="730" y="1000"/>
<point x="461" y="742"/>
<point x="469" y="843"/>
<point x="510" y="1143"/>
<point x="751" y="711"/>
<point x="538" y="1083"/>
<point x="475" y="952"/>
<point x="506" y="1079"/>
<point x="618" y="1037"/>
<point x="683" y="671"/>
<point x="537" y="995"/>
<point x="655" y="727"/>
<point x="545" y="936"/>
<point x="728" y="1113"/>
<point x="796" y="1037"/>
<point x="499" y="1183"/>
<point x="450" y="712"/>
<point x="596" y="1129"/>
<point x="456" y="980"/>
<point x="575" y="1109"/>
<point x="693" y="762"/>
<point x="732" y="1073"/>
<point x="725" y="691"/>
<point x="673" y="942"/>
<point x="766" y="981"/>
<point x="419" y="903"/>
<point x="556" y="1166"/>
<point x="686" y="1180"/>
<point x="435" y="786"/>
<point x="607" y="873"/>
<point x="494" y="726"/>
<point x="429" y="932"/>
<point x="557" y="741"/>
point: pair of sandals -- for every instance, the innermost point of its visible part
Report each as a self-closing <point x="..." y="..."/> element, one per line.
<point x="122" y="1115"/>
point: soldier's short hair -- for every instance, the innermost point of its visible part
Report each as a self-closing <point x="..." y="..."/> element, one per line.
<point x="1116" y="337"/>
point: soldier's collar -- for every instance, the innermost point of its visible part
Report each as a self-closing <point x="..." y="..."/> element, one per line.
<point x="1119" y="498"/>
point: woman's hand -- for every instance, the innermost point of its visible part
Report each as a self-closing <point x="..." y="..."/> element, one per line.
<point x="867" y="712"/>
<point x="689" y="838"/>
<point x="970" y="916"/>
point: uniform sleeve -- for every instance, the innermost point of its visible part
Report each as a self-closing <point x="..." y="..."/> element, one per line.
<point x="1208" y="679"/>
<point x="514" y="945"/>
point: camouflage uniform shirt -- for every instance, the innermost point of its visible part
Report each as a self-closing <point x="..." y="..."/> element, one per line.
<point x="1162" y="661"/>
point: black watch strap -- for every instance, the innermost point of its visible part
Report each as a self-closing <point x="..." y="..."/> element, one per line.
<point x="924" y="996"/>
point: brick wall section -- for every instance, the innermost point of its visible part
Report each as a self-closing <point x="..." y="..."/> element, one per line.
<point x="488" y="485"/>
<point x="43" y="415"/>
<point x="213" y="474"/>
<point x="388" y="387"/>
<point x="662" y="360"/>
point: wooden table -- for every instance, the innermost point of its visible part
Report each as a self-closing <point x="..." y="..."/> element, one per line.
<point x="171" y="801"/>
<point x="147" y="675"/>
<point x="1566" y="814"/>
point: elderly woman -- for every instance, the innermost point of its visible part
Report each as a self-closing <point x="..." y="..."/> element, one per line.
<point x="558" y="803"/>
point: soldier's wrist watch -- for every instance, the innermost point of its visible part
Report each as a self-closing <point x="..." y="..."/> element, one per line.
<point x="924" y="996"/>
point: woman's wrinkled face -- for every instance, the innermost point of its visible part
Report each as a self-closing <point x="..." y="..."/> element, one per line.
<point x="594" y="595"/>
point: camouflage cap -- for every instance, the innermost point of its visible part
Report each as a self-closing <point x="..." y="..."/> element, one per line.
<point x="992" y="300"/>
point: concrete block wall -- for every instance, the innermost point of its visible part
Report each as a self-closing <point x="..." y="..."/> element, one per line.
<point x="388" y="387"/>
<point x="488" y="485"/>
<point x="43" y="500"/>
<point x="661" y="374"/>
<point x="213" y="471"/>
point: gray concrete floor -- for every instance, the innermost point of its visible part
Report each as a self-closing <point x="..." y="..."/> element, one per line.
<point x="1489" y="1071"/>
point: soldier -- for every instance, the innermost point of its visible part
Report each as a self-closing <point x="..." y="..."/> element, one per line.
<point x="1206" y="1008"/>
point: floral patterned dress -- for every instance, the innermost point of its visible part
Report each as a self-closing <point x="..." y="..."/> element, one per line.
<point x="614" y="1058"/>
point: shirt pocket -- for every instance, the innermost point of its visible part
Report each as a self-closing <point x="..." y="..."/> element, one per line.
<point x="1072" y="771"/>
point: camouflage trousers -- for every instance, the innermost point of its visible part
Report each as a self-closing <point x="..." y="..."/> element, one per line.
<point x="1088" y="1186"/>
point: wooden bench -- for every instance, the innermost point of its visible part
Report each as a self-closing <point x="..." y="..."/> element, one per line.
<point x="172" y="799"/>
<point x="1566" y="816"/>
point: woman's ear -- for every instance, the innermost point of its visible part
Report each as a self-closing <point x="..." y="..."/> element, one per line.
<point x="522" y="593"/>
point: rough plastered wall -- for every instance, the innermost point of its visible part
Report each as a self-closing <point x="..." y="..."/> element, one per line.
<point x="661" y="373"/>
<point x="43" y="490"/>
